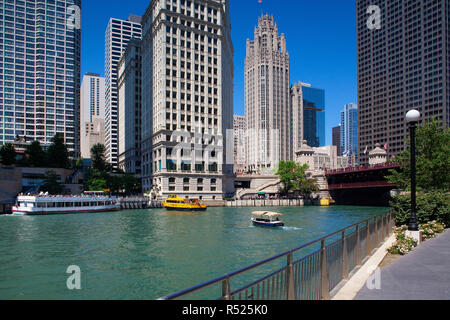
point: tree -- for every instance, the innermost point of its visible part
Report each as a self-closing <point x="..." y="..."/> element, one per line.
<point x="57" y="153"/>
<point x="51" y="184"/>
<point x="36" y="155"/>
<point x="292" y="175"/>
<point x="131" y="184"/>
<point x="308" y="187"/>
<point x="432" y="158"/>
<point x="98" y="158"/>
<point x="96" y="181"/>
<point x="8" y="154"/>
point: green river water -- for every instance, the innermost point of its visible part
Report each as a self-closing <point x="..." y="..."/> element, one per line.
<point x="147" y="254"/>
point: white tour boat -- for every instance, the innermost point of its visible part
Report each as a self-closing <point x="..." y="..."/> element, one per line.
<point x="48" y="205"/>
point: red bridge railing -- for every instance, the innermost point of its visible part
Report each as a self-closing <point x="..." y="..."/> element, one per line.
<point x="363" y="168"/>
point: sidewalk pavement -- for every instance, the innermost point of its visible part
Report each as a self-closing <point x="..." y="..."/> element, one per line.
<point x="423" y="274"/>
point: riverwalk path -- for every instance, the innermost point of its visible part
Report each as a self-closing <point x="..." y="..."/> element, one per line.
<point x="423" y="274"/>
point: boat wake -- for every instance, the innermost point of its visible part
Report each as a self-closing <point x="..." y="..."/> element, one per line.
<point x="291" y="229"/>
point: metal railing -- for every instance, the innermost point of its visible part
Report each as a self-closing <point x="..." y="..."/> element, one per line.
<point x="311" y="277"/>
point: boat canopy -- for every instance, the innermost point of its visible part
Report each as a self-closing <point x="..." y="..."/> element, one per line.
<point x="267" y="214"/>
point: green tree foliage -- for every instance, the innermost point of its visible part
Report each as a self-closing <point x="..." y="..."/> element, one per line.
<point x="308" y="187"/>
<point x="35" y="155"/>
<point x="292" y="176"/>
<point x="98" y="158"/>
<point x="432" y="157"/>
<point x="57" y="153"/>
<point x="96" y="181"/>
<point x="8" y="154"/>
<point x="51" y="184"/>
<point x="431" y="206"/>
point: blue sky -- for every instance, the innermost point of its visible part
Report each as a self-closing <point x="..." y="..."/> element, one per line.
<point x="321" y="40"/>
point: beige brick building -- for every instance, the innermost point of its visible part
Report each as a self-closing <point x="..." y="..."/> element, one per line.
<point x="267" y="95"/>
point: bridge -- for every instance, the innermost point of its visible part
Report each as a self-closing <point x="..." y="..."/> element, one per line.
<point x="361" y="185"/>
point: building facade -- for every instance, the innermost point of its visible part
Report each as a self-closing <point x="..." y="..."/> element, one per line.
<point x="40" y="71"/>
<point x="130" y="106"/>
<point x="187" y="101"/>
<point x="240" y="137"/>
<point x="349" y="131"/>
<point x="92" y="120"/>
<point x="403" y="64"/>
<point x="118" y="34"/>
<point x="313" y="115"/>
<point x="336" y="132"/>
<point x="308" y="115"/>
<point x="267" y="98"/>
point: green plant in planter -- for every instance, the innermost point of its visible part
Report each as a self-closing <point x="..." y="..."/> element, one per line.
<point x="431" y="230"/>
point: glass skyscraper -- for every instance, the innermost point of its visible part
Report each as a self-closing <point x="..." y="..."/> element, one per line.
<point x="349" y="130"/>
<point x="40" y="70"/>
<point x="313" y="116"/>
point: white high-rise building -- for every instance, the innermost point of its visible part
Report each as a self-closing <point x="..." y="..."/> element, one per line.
<point x="118" y="34"/>
<point x="267" y="98"/>
<point x="187" y="98"/>
<point x="40" y="71"/>
<point x="92" y="120"/>
<point x="240" y="137"/>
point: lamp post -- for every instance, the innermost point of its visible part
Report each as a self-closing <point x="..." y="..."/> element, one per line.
<point x="412" y="118"/>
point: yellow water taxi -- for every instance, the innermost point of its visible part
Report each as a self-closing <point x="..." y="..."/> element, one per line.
<point x="176" y="203"/>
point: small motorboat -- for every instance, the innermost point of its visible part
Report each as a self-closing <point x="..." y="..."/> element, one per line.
<point x="267" y="219"/>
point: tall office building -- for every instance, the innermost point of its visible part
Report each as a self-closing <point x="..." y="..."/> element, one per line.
<point x="403" y="64"/>
<point x="40" y="71"/>
<point x="267" y="98"/>
<point x="336" y="132"/>
<point x="349" y="130"/>
<point x="118" y="34"/>
<point x="240" y="138"/>
<point x="92" y="120"/>
<point x="308" y="116"/>
<point x="187" y="100"/>
<point x="130" y="105"/>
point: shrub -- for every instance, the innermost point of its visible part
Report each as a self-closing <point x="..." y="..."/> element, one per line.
<point x="404" y="244"/>
<point x="432" y="229"/>
<point x="431" y="206"/>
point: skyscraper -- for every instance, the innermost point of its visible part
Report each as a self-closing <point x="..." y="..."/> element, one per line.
<point x="40" y="71"/>
<point x="118" y="34"/>
<point x="403" y="64"/>
<point x="267" y="98"/>
<point x="240" y="138"/>
<point x="92" y="112"/>
<point x="187" y="100"/>
<point x="130" y="105"/>
<point x="337" y="139"/>
<point x="349" y="130"/>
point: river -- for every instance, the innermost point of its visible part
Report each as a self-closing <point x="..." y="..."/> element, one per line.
<point x="147" y="254"/>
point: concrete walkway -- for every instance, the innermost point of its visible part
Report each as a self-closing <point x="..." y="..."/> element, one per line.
<point x="423" y="274"/>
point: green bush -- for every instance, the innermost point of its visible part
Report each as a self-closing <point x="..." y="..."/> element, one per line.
<point x="431" y="206"/>
<point x="404" y="244"/>
<point x="431" y="230"/>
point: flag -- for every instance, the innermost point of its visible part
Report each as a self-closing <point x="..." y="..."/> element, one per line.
<point x="367" y="149"/>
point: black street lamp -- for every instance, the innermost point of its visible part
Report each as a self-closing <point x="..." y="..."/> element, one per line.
<point x="412" y="118"/>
